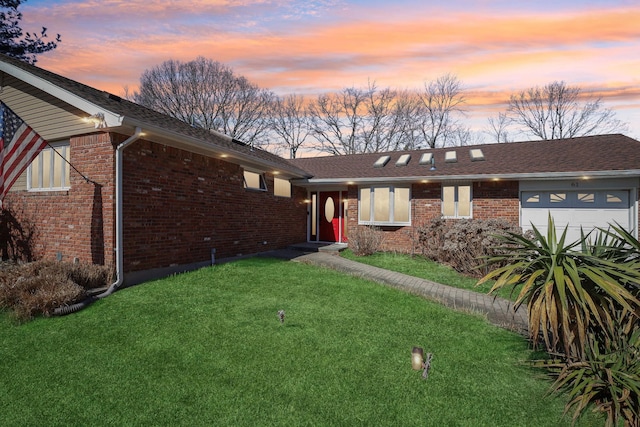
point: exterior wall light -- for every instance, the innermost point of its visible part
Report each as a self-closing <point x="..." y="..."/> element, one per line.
<point x="97" y="120"/>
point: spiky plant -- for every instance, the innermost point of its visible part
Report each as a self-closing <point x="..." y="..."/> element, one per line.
<point x="608" y="379"/>
<point x="567" y="291"/>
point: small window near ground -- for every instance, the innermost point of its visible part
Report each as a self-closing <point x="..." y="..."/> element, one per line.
<point x="456" y="201"/>
<point x="50" y="170"/>
<point x="254" y="181"/>
<point x="281" y="187"/>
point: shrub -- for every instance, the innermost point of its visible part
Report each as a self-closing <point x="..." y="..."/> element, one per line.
<point x="463" y="244"/>
<point x="365" y="240"/>
<point x="39" y="287"/>
<point x="608" y="378"/>
<point x="569" y="292"/>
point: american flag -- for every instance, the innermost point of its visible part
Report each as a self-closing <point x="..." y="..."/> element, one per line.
<point x="19" y="145"/>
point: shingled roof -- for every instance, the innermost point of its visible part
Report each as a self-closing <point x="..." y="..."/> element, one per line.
<point x="132" y="115"/>
<point x="595" y="156"/>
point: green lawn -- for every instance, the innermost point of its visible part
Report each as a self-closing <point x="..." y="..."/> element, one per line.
<point x="206" y="348"/>
<point x="418" y="266"/>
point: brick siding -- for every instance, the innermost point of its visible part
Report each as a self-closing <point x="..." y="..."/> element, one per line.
<point x="177" y="207"/>
<point x="490" y="200"/>
<point x="76" y="223"/>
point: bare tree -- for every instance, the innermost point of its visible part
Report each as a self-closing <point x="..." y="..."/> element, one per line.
<point x="441" y="104"/>
<point x="368" y="120"/>
<point x="207" y="94"/>
<point x="336" y="121"/>
<point x="498" y="128"/>
<point x="290" y="120"/>
<point x="557" y="110"/>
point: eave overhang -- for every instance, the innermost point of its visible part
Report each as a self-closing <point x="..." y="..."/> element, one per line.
<point x="110" y="119"/>
<point x="320" y="182"/>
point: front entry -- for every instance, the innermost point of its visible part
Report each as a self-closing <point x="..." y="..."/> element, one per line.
<point x="329" y="214"/>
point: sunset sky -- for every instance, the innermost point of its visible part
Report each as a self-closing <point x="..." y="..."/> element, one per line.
<point x="495" y="47"/>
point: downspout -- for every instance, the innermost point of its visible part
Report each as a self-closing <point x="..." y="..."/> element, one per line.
<point x="119" y="234"/>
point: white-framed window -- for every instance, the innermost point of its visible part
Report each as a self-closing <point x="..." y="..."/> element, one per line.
<point x="384" y="205"/>
<point x="50" y="170"/>
<point x="281" y="187"/>
<point x="456" y="201"/>
<point x="254" y="181"/>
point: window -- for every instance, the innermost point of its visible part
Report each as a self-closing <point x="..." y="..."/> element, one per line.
<point x="254" y="181"/>
<point x="456" y="201"/>
<point x="384" y="205"/>
<point x="50" y="170"/>
<point x="281" y="187"/>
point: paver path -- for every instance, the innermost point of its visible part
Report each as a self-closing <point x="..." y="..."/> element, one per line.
<point x="498" y="311"/>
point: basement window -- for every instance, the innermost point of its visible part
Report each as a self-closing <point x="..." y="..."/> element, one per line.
<point x="50" y="169"/>
<point x="254" y="181"/>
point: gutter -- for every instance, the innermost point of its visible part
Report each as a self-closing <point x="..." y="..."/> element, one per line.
<point x="474" y="177"/>
<point x="119" y="235"/>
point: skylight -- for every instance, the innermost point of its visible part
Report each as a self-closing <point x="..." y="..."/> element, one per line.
<point x="450" y="157"/>
<point x="403" y="160"/>
<point x="425" y="159"/>
<point x="381" y="162"/>
<point x="476" y="154"/>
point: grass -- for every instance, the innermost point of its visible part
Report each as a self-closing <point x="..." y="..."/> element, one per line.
<point x="207" y="348"/>
<point x="419" y="266"/>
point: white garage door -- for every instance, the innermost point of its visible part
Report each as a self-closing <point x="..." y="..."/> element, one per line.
<point x="575" y="209"/>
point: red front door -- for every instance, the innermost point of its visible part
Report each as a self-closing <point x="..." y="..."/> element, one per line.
<point x="329" y="216"/>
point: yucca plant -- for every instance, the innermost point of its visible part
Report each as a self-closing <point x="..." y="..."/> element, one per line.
<point x="608" y="379"/>
<point x="567" y="291"/>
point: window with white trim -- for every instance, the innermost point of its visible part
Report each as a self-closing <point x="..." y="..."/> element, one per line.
<point x="254" y="181"/>
<point x="384" y="205"/>
<point x="456" y="201"/>
<point x="50" y="170"/>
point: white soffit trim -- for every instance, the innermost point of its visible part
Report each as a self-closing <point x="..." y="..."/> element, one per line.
<point x="111" y="119"/>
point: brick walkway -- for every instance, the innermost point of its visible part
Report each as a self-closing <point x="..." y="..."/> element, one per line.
<point x="498" y="311"/>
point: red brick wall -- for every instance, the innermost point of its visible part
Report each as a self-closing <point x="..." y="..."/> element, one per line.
<point x="498" y="199"/>
<point x="77" y="223"/>
<point x="179" y="205"/>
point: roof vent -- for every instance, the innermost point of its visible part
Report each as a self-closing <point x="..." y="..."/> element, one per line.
<point x="425" y="159"/>
<point x="476" y="155"/>
<point x="114" y="97"/>
<point x="403" y="160"/>
<point x="381" y="162"/>
<point x="450" y="157"/>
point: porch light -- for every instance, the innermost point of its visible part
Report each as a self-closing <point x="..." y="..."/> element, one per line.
<point x="97" y="120"/>
<point x="417" y="361"/>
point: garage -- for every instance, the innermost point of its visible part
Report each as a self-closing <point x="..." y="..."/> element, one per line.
<point x="576" y="209"/>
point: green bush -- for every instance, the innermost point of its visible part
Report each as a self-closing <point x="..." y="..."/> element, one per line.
<point x="37" y="288"/>
<point x="463" y="244"/>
